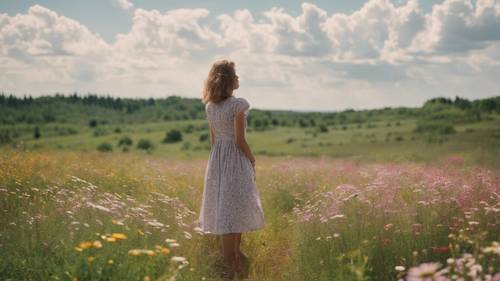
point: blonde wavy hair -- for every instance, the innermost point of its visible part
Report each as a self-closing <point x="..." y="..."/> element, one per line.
<point x="220" y="82"/>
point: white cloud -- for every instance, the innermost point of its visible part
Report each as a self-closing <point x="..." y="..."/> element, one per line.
<point x="460" y="25"/>
<point x="176" y="32"/>
<point x="381" y="54"/>
<point x="124" y="4"/>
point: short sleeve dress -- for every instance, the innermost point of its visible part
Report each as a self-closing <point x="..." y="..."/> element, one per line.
<point x="231" y="201"/>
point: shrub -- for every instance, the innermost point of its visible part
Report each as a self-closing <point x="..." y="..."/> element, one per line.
<point x="173" y="135"/>
<point x="145" y="144"/>
<point x="435" y="127"/>
<point x="125" y="141"/>
<point x="105" y="146"/>
<point x="203" y="137"/>
<point x="37" y="134"/>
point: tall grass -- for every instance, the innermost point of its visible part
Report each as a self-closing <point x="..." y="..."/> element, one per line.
<point x="100" y="216"/>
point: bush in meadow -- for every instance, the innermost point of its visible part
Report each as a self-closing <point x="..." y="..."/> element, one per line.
<point x="172" y="136"/>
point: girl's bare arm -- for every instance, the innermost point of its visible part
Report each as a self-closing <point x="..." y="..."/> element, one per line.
<point x="239" y="127"/>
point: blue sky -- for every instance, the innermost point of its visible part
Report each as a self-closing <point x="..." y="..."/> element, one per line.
<point x="317" y="55"/>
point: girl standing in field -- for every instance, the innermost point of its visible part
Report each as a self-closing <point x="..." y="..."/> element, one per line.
<point x="231" y="203"/>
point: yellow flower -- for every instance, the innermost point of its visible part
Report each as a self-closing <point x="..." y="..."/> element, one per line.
<point x="119" y="236"/>
<point x="162" y="250"/>
<point x="85" y="245"/>
<point x="110" y="261"/>
<point x="134" y="252"/>
<point x="141" y="252"/>
<point x="140" y="232"/>
<point x="78" y="249"/>
<point x="90" y="258"/>
<point x="111" y="239"/>
<point x="97" y="244"/>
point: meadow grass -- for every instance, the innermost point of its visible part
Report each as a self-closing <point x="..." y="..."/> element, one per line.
<point x="69" y="215"/>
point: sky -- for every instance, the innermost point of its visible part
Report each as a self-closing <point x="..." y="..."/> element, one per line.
<point x="293" y="55"/>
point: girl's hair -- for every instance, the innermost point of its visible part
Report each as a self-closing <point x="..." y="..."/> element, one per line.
<point x="220" y="82"/>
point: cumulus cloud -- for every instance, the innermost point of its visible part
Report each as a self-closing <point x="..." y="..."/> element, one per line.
<point x="174" y="32"/>
<point x="43" y="32"/>
<point x="380" y="46"/>
<point x="460" y="25"/>
<point x="124" y="4"/>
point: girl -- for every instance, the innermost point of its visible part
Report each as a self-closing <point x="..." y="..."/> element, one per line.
<point x="231" y="203"/>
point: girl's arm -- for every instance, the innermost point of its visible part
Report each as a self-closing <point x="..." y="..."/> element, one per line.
<point x="239" y="127"/>
<point x="212" y="134"/>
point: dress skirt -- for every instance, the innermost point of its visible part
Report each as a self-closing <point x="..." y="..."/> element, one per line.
<point x="231" y="201"/>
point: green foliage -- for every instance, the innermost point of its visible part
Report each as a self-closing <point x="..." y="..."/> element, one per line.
<point x="435" y="127"/>
<point x="105" y="146"/>
<point x="125" y="141"/>
<point x="172" y="136"/>
<point x="145" y="144"/>
<point x="204" y="137"/>
<point x="36" y="133"/>
<point x="5" y="136"/>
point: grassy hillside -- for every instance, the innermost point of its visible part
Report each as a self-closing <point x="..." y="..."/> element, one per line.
<point x="439" y="128"/>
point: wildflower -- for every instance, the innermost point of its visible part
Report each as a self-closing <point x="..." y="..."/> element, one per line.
<point x="162" y="250"/>
<point x="110" y="261"/>
<point x="119" y="236"/>
<point x="97" y="244"/>
<point x="388" y="226"/>
<point x="85" y="245"/>
<point x="90" y="258"/>
<point x="399" y="268"/>
<point x="117" y="222"/>
<point x="493" y="249"/>
<point x="178" y="259"/>
<point x="110" y="239"/>
<point x="168" y="240"/>
<point x="337" y="217"/>
<point x="141" y="252"/>
<point x="423" y="271"/>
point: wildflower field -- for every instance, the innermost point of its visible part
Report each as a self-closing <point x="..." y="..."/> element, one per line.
<point x="99" y="216"/>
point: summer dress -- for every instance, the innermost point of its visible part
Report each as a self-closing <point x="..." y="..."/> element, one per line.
<point x="231" y="201"/>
